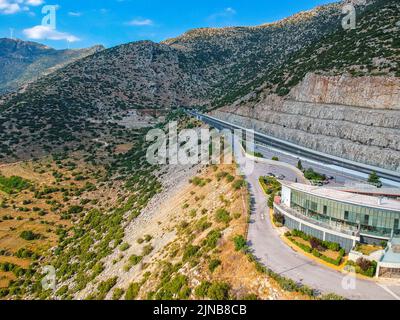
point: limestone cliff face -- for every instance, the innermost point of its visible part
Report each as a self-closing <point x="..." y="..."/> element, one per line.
<point x="312" y="116"/>
<point x="372" y="92"/>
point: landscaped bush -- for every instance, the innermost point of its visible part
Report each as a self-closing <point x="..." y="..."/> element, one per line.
<point x="270" y="201"/>
<point x="317" y="246"/>
<point x="278" y="219"/>
<point x="364" y="266"/>
<point x="310" y="174"/>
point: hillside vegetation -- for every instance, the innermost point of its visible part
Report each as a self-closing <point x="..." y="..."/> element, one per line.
<point x="22" y="62"/>
<point x="195" y="69"/>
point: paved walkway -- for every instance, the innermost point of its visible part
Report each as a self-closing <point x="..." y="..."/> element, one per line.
<point x="275" y="254"/>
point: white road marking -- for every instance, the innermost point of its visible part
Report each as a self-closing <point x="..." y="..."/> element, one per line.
<point x="389" y="291"/>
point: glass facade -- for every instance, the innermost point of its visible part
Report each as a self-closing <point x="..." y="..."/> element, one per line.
<point x="369" y="221"/>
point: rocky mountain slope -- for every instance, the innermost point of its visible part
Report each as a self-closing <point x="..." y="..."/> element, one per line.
<point x="236" y="68"/>
<point x="195" y="69"/>
<point x="22" y="61"/>
<point x="340" y="95"/>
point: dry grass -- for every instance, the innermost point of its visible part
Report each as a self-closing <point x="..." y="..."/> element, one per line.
<point x="174" y="226"/>
<point x="40" y="173"/>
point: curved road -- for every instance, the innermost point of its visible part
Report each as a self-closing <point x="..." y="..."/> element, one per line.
<point x="269" y="248"/>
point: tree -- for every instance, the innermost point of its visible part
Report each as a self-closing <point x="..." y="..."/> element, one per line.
<point x="374" y="179"/>
<point x="299" y="165"/>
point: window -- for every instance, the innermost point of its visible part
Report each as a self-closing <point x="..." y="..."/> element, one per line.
<point x="396" y="224"/>
<point x="325" y="210"/>
<point x="346" y="215"/>
<point x="314" y="206"/>
<point x="366" y="219"/>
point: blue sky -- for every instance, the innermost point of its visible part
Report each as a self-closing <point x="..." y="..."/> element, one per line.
<point x="82" y="23"/>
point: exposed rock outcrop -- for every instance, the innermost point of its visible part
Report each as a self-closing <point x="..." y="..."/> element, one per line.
<point x="310" y="118"/>
<point x="373" y="92"/>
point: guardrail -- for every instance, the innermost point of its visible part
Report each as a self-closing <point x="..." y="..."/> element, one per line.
<point x="302" y="151"/>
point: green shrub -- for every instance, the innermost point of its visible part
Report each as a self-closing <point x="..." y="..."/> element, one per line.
<point x="190" y="252"/>
<point x="133" y="291"/>
<point x="212" y="239"/>
<point x="13" y="184"/>
<point x="221" y="215"/>
<point x="148" y="238"/>
<point x="198" y="181"/>
<point x="104" y="287"/>
<point x="240" y="243"/>
<point x="147" y="250"/>
<point x="218" y="291"/>
<point x="310" y="174"/>
<point x="250" y="297"/>
<point x="118" y="293"/>
<point x="221" y="175"/>
<point x="123" y="247"/>
<point x="29" y="235"/>
<point x="239" y="184"/>
<point x="214" y="264"/>
<point x="203" y="224"/>
<point x="75" y="209"/>
<point x="134" y="259"/>
<point x="202" y="289"/>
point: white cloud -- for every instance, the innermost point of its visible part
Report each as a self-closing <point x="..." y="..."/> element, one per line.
<point x="140" y="22"/>
<point x="8" y="7"/>
<point x="47" y="33"/>
<point x="74" y="14"/>
<point x="230" y="11"/>
<point x="15" y="6"/>
<point x="222" y="15"/>
<point x="34" y="2"/>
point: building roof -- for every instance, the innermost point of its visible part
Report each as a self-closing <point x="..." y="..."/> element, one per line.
<point x="371" y="190"/>
<point x="346" y="197"/>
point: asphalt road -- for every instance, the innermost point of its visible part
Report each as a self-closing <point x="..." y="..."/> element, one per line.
<point x="340" y="177"/>
<point x="269" y="248"/>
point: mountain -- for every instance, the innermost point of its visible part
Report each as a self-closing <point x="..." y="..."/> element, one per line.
<point x="341" y="95"/>
<point x="207" y="67"/>
<point x="22" y="61"/>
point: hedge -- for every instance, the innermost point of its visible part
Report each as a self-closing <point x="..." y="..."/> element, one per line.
<point x="328" y="245"/>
